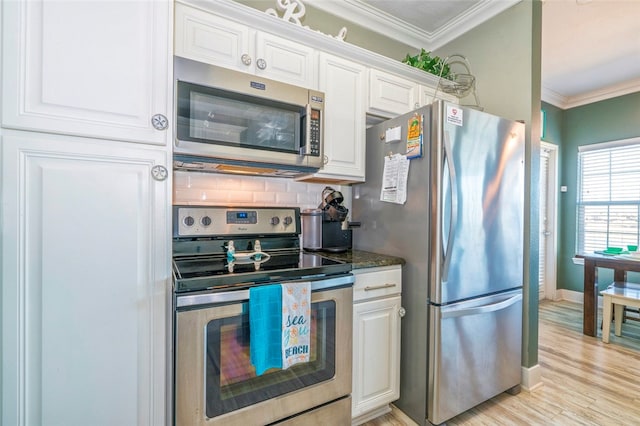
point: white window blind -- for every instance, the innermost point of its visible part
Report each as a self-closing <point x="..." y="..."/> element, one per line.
<point x="608" y="195"/>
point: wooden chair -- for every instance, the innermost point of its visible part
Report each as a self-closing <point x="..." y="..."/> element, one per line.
<point x="617" y="296"/>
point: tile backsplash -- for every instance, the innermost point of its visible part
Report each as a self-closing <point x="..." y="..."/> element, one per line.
<point x="228" y="190"/>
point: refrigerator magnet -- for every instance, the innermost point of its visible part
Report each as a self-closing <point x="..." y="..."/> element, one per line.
<point x="414" y="136"/>
<point x="454" y="115"/>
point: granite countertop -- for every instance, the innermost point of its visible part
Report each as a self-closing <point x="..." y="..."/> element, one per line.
<point x="365" y="259"/>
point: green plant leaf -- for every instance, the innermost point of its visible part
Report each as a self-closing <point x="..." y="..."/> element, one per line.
<point x="424" y="61"/>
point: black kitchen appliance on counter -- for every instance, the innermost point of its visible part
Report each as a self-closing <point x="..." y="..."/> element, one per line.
<point x="323" y="227"/>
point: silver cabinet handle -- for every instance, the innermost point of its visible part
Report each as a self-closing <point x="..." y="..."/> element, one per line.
<point x="246" y="59"/>
<point x="261" y="63"/>
<point x="402" y="312"/>
<point x="377" y="287"/>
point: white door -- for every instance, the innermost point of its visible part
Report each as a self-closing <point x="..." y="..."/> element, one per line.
<point x="548" y="240"/>
<point x="85" y="282"/>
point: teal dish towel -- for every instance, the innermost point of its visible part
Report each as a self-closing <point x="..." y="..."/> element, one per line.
<point x="265" y="327"/>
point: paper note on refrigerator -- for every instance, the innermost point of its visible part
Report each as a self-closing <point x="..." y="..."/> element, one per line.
<point x="394" y="179"/>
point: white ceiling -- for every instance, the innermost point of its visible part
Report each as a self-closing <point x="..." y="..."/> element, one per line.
<point x="590" y="48"/>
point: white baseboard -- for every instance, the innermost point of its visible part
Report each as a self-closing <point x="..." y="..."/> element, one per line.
<point x="574" y="296"/>
<point x="531" y="378"/>
<point x="370" y="415"/>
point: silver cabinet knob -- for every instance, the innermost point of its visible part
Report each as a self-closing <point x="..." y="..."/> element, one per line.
<point x="325" y="159"/>
<point x="261" y="63"/>
<point x="159" y="173"/>
<point x="402" y="312"/>
<point x="246" y="59"/>
<point x="159" y="122"/>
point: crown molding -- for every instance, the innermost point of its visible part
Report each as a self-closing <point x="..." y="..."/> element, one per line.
<point x="473" y="17"/>
<point x="554" y="98"/>
<point x="357" y="11"/>
<point x="376" y="20"/>
<point x="567" y="102"/>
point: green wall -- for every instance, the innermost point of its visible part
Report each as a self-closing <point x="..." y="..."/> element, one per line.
<point x="612" y="119"/>
<point x="553" y="124"/>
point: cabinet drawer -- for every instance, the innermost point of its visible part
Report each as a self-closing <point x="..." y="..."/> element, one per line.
<point x="377" y="282"/>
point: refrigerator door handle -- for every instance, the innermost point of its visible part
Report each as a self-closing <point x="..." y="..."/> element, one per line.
<point x="482" y="309"/>
<point x="453" y="214"/>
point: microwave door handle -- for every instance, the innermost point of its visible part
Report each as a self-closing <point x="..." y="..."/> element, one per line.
<point x="306" y="149"/>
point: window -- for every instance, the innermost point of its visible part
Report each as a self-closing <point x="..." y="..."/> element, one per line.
<point x="608" y="195"/>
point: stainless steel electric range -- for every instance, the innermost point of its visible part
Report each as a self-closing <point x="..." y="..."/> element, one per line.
<point x="219" y="253"/>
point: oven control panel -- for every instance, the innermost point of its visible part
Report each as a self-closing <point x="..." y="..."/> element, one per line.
<point x="208" y="221"/>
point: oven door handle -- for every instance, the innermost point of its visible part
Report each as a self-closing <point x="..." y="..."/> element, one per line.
<point x="191" y="300"/>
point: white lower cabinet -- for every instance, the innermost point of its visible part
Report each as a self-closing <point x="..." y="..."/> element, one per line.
<point x="85" y="282"/>
<point x="377" y="315"/>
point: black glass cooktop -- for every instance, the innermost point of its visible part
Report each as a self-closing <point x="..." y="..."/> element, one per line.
<point x="216" y="272"/>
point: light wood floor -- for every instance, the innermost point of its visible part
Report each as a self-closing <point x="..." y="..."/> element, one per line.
<point x="585" y="381"/>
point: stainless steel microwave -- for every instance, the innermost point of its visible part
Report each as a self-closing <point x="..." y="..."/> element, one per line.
<point x="229" y="121"/>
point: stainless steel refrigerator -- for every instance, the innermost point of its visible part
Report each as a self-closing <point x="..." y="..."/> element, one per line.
<point x="461" y="233"/>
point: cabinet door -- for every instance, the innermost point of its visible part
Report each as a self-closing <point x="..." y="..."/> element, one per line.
<point x="343" y="83"/>
<point x="208" y="38"/>
<point x="85" y="282"/>
<point x="376" y="354"/>
<point x="390" y="95"/>
<point x="205" y="37"/>
<point x="427" y="95"/>
<point x="283" y="60"/>
<point x="98" y="68"/>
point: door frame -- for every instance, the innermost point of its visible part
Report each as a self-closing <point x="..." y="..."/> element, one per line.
<point x="552" y="221"/>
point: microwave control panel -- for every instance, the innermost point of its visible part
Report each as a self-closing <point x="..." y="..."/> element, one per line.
<point x="315" y="132"/>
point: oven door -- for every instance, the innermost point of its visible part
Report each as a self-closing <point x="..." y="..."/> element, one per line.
<point x="215" y="381"/>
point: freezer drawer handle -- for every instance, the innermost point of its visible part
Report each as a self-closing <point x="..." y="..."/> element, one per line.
<point x="378" y="287"/>
<point x="482" y="309"/>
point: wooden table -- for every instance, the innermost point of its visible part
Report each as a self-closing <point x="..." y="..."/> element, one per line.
<point x="592" y="262"/>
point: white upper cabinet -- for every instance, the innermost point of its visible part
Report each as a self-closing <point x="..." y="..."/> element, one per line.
<point x="391" y="95"/>
<point x="208" y="38"/>
<point x="429" y="94"/>
<point x="343" y="83"/>
<point x="97" y="68"/>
